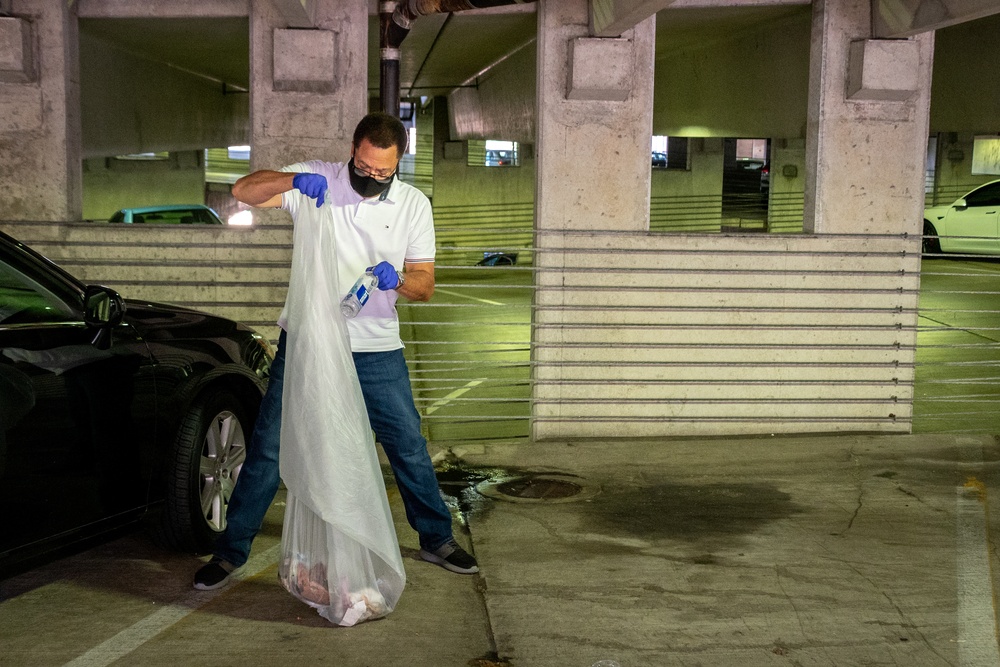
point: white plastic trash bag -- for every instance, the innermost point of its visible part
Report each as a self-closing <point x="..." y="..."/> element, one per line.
<point x="338" y="576"/>
<point x="339" y="548"/>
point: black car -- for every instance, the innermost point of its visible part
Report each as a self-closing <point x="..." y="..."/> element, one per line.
<point x="114" y="412"/>
<point x="491" y="258"/>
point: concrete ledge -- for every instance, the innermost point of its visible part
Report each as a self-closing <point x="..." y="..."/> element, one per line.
<point x="600" y="69"/>
<point x="17" y="62"/>
<point x="885" y="70"/>
<point x="305" y="60"/>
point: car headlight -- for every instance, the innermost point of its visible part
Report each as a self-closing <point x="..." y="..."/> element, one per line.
<point x="243" y="218"/>
<point x="265" y="344"/>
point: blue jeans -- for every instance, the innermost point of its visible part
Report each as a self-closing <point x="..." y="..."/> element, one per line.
<point x="385" y="383"/>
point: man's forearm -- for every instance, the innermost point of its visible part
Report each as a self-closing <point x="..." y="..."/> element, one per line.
<point x="418" y="285"/>
<point x="261" y="187"/>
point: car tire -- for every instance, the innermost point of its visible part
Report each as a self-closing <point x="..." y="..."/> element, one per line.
<point x="206" y="460"/>
<point x="930" y="244"/>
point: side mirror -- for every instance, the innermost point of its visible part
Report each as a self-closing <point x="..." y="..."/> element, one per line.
<point x="960" y="205"/>
<point x="104" y="309"/>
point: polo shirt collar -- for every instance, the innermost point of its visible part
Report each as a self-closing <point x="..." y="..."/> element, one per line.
<point x="392" y="194"/>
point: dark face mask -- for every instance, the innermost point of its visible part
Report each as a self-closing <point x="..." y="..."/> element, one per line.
<point x="366" y="186"/>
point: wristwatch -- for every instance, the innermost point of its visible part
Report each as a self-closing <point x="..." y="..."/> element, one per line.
<point x="402" y="280"/>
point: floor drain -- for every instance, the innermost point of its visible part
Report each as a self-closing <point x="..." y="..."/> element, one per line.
<point x="538" y="488"/>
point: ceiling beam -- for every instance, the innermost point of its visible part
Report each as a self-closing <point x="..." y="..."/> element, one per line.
<point x="161" y="9"/>
<point x="904" y="18"/>
<point x="688" y="4"/>
<point x="610" y="18"/>
<point x="297" y="13"/>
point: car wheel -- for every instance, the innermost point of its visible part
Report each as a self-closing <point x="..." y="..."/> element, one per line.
<point x="206" y="460"/>
<point x="931" y="244"/>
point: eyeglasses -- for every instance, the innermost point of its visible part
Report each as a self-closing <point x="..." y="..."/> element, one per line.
<point x="380" y="175"/>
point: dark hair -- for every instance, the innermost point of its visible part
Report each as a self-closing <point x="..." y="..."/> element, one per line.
<point x="382" y="130"/>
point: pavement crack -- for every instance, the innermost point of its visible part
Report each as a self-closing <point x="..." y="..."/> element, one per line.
<point x="857" y="509"/>
<point x="859" y="503"/>
<point x="482" y="590"/>
<point x="908" y="623"/>
<point x="791" y="602"/>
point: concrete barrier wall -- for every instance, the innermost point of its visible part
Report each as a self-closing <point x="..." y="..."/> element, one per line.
<point x="642" y="335"/>
<point x="240" y="273"/>
<point x="634" y="334"/>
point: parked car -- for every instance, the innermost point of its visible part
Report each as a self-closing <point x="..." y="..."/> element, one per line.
<point x="173" y="214"/>
<point x="498" y="259"/>
<point x="115" y="411"/>
<point x="499" y="158"/>
<point x="752" y="175"/>
<point x="969" y="225"/>
<point x="659" y="159"/>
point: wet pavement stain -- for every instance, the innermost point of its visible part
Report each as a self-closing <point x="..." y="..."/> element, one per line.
<point x="689" y="512"/>
<point x="460" y="481"/>
<point x="458" y="484"/>
<point x="659" y="510"/>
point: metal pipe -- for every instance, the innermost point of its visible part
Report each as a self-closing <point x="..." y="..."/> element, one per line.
<point x="389" y="87"/>
<point x="395" y="20"/>
<point x="389" y="58"/>
<point x="411" y="9"/>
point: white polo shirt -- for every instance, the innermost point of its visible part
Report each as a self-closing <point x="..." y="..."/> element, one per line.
<point x="396" y="229"/>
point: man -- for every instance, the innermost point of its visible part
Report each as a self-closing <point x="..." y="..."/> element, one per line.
<point x="381" y="223"/>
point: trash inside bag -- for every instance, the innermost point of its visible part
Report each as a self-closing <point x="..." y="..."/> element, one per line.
<point x="340" y="554"/>
<point x="331" y="572"/>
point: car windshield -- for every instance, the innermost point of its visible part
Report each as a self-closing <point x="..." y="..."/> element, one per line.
<point x="182" y="216"/>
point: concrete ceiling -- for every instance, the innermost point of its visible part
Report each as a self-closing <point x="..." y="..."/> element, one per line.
<point x="215" y="48"/>
<point x="683" y="28"/>
<point x="446" y="51"/>
<point x="441" y="52"/>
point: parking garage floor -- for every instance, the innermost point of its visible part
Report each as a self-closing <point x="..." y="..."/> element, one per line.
<point x="841" y="550"/>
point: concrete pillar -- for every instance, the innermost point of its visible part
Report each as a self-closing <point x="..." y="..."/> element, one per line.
<point x="595" y="111"/>
<point x="866" y="140"/>
<point x="40" y="153"/>
<point x="592" y="152"/>
<point x="308" y="87"/>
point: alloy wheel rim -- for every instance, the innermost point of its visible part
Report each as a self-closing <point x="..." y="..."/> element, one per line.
<point x="222" y="455"/>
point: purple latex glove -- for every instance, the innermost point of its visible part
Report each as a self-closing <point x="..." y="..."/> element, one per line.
<point x="387" y="276"/>
<point x="311" y="185"/>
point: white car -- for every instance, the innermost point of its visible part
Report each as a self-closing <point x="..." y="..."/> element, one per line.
<point x="970" y="225"/>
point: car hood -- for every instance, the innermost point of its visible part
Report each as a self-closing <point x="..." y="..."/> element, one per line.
<point x="933" y="213"/>
<point x="163" y="321"/>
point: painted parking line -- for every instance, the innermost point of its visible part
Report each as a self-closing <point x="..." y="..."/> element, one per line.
<point x="466" y="296"/>
<point x="977" y="628"/>
<point x="453" y="395"/>
<point x="134" y="636"/>
<point x="979" y="268"/>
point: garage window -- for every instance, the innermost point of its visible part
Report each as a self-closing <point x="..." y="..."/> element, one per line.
<point x="492" y="153"/>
